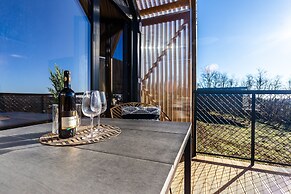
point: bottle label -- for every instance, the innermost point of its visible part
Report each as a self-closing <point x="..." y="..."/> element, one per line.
<point x="69" y="122"/>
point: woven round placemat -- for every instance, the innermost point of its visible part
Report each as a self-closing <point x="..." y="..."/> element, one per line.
<point x="106" y="131"/>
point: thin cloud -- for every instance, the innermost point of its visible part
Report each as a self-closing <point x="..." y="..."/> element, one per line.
<point x="17" y="56"/>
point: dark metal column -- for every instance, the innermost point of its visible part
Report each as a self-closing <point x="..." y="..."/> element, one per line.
<point x="187" y="166"/>
<point x="95" y="45"/>
<point x="126" y="63"/>
<point x="194" y="125"/>
<point x="134" y="61"/>
<point x="135" y="47"/>
<point x="139" y="64"/>
<point x="108" y="69"/>
<point x="194" y="77"/>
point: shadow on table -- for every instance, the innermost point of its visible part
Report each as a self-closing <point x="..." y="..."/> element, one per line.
<point x="9" y="120"/>
<point x="10" y="143"/>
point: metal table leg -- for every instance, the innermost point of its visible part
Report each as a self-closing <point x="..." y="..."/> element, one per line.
<point x="187" y="167"/>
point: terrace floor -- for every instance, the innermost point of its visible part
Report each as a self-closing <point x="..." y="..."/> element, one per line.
<point x="220" y="175"/>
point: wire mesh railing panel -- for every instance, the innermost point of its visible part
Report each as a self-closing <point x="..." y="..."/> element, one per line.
<point x="38" y="103"/>
<point x="273" y="128"/>
<point x="249" y="124"/>
<point x="223" y="124"/>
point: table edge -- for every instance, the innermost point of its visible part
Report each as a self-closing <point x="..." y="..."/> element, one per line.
<point x="174" y="167"/>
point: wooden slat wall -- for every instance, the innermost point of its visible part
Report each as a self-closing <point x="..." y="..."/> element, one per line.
<point x="166" y="69"/>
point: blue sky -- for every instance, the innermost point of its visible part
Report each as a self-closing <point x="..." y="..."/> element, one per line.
<point x="35" y="35"/>
<point x="234" y="36"/>
<point x="240" y="36"/>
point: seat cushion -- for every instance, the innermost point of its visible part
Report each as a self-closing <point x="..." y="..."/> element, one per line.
<point x="131" y="112"/>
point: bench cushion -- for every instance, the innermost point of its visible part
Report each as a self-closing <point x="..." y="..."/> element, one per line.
<point x="132" y="112"/>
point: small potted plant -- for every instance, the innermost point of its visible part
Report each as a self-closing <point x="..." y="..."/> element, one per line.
<point x="57" y="79"/>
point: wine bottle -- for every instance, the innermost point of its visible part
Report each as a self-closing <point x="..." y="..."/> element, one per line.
<point x="67" y="109"/>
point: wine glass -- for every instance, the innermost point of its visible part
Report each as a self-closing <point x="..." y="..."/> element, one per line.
<point x="104" y="106"/>
<point x="91" y="106"/>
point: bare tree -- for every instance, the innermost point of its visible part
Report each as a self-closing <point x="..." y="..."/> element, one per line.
<point x="208" y="79"/>
<point x="223" y="80"/>
<point x="215" y="79"/>
<point x="261" y="80"/>
<point x="249" y="81"/>
<point x="232" y="82"/>
<point x="276" y="83"/>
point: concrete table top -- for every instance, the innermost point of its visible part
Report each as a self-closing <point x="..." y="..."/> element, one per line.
<point x="142" y="159"/>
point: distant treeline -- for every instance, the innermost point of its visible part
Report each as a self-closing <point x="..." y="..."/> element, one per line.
<point x="257" y="81"/>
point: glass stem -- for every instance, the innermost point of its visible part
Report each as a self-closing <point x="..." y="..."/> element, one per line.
<point x="91" y="126"/>
<point x="98" y="122"/>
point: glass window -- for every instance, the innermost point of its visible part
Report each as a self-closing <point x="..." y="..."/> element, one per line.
<point x="34" y="36"/>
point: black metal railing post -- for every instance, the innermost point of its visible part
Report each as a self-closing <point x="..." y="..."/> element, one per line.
<point x="194" y="128"/>
<point x="253" y="128"/>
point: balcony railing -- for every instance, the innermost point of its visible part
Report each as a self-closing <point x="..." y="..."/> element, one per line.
<point x="246" y="124"/>
<point x="26" y="102"/>
<point x="19" y="102"/>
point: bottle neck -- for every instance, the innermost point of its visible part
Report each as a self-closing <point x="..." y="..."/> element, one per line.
<point x="67" y="79"/>
<point x="67" y="84"/>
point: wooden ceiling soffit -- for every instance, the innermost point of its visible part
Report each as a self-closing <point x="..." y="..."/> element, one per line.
<point x="86" y="7"/>
<point x="114" y="42"/>
<point x="122" y="7"/>
<point x="110" y="11"/>
<point x="166" y="18"/>
<point x="164" y="7"/>
<point x="115" y="28"/>
<point x="114" y="34"/>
